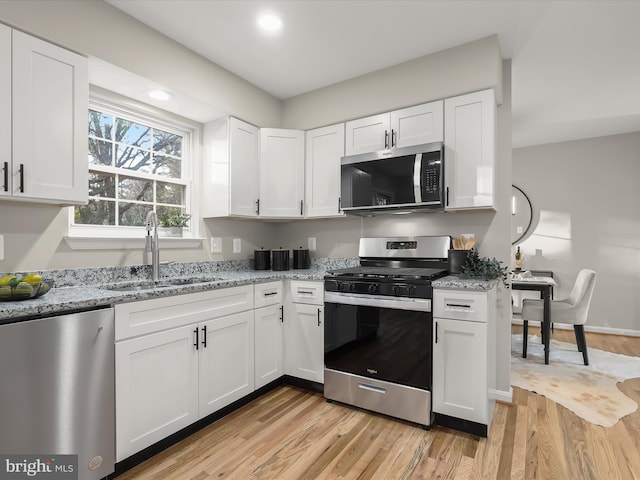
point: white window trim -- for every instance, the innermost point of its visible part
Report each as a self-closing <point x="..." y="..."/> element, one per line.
<point x="97" y="237"/>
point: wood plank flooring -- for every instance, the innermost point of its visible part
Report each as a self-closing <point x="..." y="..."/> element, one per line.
<point x="292" y="434"/>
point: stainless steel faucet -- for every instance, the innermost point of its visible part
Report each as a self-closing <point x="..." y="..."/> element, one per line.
<point x="152" y="244"/>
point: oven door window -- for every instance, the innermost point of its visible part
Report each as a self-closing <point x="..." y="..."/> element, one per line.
<point x="382" y="343"/>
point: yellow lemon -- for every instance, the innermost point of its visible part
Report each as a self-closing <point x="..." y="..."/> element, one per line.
<point x="15" y="281"/>
<point x="5" y="291"/>
<point x="23" y="289"/>
<point x="32" y="278"/>
<point x="5" y="280"/>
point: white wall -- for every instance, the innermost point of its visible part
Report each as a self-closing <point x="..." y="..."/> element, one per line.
<point x="585" y="196"/>
<point x="95" y="28"/>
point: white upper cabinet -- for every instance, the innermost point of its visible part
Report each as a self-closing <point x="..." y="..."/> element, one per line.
<point x="44" y="95"/>
<point x="417" y="125"/>
<point x="368" y="134"/>
<point x="231" y="169"/>
<point x="400" y="128"/>
<point x="470" y="150"/>
<point x="324" y="149"/>
<point x="281" y="173"/>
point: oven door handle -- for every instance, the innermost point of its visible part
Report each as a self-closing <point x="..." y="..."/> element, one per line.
<point x="397" y="303"/>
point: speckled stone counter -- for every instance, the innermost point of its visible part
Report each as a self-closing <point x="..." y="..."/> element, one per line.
<point x="90" y="288"/>
<point x="453" y="281"/>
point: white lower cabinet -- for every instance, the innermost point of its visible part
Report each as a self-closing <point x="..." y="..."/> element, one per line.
<point x="269" y="333"/>
<point x="304" y="330"/>
<point x="156" y="388"/>
<point x="464" y="355"/>
<point x="168" y="379"/>
<point x="226" y="364"/>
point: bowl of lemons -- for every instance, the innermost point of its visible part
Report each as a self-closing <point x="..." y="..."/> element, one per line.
<point x="23" y="287"/>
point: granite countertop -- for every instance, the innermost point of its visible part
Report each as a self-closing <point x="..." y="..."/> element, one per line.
<point x="453" y="281"/>
<point x="93" y="288"/>
<point x="90" y="288"/>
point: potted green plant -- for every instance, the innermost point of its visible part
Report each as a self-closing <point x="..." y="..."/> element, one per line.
<point x="483" y="268"/>
<point x="175" y="222"/>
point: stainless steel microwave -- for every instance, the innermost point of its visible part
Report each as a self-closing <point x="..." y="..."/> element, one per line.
<point x="396" y="180"/>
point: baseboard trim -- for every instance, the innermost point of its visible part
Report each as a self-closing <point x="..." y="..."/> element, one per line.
<point x="591" y="328"/>
<point x="502" y="396"/>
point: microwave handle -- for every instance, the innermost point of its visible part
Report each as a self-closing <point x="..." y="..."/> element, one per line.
<point x="417" y="170"/>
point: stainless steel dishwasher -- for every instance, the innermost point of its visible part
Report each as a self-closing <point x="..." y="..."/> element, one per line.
<point x="57" y="389"/>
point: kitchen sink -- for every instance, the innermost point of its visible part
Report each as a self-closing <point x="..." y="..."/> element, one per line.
<point x="149" y="285"/>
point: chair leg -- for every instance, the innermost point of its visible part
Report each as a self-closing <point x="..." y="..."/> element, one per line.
<point x="525" y="336"/>
<point x="581" y="342"/>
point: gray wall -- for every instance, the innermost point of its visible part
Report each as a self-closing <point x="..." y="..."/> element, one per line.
<point x="585" y="198"/>
<point x="467" y="68"/>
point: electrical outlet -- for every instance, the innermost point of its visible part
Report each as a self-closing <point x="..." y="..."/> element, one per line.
<point x="311" y="243"/>
<point x="237" y="245"/>
<point x="216" y="245"/>
<point x="1" y="247"/>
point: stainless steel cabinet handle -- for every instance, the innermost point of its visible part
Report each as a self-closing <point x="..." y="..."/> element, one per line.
<point x="305" y="292"/>
<point x="196" y="342"/>
<point x="461" y="305"/>
<point x="258" y="207"/>
<point x="204" y="336"/>
<point x="6" y="176"/>
<point x="447" y="196"/>
<point x="386" y="139"/>
<point x="339" y="204"/>
<point x="372" y="388"/>
<point x="268" y="294"/>
<point x="319" y="317"/>
<point x="281" y="313"/>
<point x="301" y="205"/>
<point x="393" y="137"/>
<point x="436" y="332"/>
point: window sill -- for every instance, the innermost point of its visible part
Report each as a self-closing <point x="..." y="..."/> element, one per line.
<point x="130" y="243"/>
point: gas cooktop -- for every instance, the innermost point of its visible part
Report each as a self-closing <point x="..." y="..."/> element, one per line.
<point x="388" y="273"/>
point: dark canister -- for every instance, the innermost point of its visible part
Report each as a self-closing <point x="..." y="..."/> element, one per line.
<point x="280" y="259"/>
<point x="262" y="259"/>
<point x="457" y="259"/>
<point x="301" y="258"/>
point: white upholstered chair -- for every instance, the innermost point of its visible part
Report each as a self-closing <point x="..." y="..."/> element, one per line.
<point x="573" y="310"/>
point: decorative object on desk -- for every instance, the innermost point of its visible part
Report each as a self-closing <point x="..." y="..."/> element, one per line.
<point x="484" y="268"/>
<point x="518" y="260"/>
<point x="588" y="391"/>
<point x="521" y="215"/>
<point x="175" y="222"/>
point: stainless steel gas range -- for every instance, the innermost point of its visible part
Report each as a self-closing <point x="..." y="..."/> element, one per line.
<point x="379" y="326"/>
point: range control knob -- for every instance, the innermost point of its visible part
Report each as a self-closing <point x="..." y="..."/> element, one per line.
<point x="412" y="289"/>
<point x="339" y="286"/>
<point x="373" y="288"/>
<point x="352" y="286"/>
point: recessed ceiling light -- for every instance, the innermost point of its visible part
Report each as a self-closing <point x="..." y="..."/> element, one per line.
<point x="269" y="22"/>
<point x="162" y="95"/>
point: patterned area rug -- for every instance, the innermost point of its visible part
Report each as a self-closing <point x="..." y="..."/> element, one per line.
<point x="588" y="391"/>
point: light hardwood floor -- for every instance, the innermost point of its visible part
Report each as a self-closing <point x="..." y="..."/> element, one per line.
<point x="292" y="434"/>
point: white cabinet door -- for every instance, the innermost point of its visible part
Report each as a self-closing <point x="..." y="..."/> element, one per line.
<point x="368" y="134"/>
<point x="156" y="388"/>
<point x="304" y="341"/>
<point x="50" y="103"/>
<point x="5" y="110"/>
<point x="268" y="344"/>
<point x="460" y="369"/>
<point x="417" y="125"/>
<point x="324" y="148"/>
<point x="243" y="168"/>
<point x="470" y="144"/>
<point x="226" y="347"/>
<point x="281" y="173"/>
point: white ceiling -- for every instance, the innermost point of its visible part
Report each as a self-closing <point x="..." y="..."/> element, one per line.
<point x="575" y="64"/>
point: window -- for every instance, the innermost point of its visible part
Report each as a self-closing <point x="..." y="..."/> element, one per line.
<point x="137" y="163"/>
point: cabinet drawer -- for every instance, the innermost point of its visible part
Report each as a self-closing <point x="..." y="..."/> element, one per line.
<point x="460" y="305"/>
<point x="267" y="294"/>
<point x="154" y="315"/>
<point x="307" y="292"/>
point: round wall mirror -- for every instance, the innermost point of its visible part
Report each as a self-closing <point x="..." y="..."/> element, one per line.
<point x="521" y="215"/>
